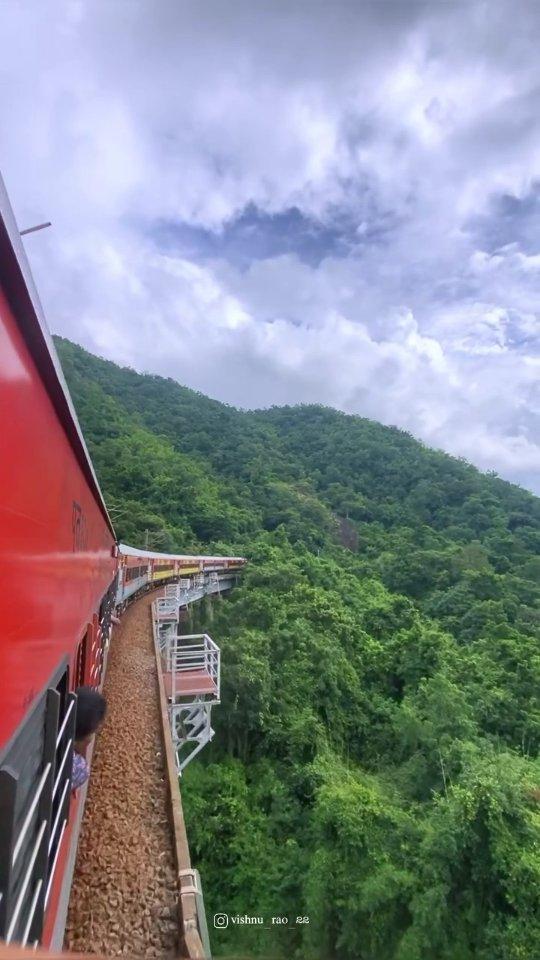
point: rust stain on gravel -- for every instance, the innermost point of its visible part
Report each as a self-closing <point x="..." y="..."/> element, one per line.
<point x="123" y="899"/>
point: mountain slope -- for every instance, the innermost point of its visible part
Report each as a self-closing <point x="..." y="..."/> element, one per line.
<point x="377" y="744"/>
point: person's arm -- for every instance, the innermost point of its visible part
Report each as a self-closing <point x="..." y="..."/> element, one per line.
<point x="79" y="771"/>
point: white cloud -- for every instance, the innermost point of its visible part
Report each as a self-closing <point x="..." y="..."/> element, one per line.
<point x="403" y="119"/>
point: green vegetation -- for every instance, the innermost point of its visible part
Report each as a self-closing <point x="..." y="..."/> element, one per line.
<point x="375" y="766"/>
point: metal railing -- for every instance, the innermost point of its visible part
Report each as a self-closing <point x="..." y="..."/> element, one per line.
<point x="34" y="848"/>
<point x="194" y="652"/>
<point x="188" y="590"/>
<point x="178" y="590"/>
<point x="182" y="594"/>
<point x="167" y="607"/>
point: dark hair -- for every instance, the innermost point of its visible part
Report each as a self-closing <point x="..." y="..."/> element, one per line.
<point x="91" y="709"/>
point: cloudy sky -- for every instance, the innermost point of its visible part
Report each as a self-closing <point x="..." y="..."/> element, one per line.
<point x="292" y="201"/>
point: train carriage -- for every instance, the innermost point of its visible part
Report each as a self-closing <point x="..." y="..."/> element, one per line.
<point x="141" y="569"/>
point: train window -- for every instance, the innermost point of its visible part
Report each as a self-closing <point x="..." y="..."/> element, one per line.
<point x="35" y="774"/>
<point x="80" y="661"/>
<point x="133" y="573"/>
<point x="106" y="610"/>
<point x="63" y="760"/>
<point x="94" y="633"/>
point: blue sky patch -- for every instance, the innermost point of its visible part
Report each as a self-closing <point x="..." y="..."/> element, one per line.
<point x="257" y="235"/>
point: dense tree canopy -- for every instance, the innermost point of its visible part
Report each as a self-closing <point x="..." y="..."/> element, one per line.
<point x="375" y="766"/>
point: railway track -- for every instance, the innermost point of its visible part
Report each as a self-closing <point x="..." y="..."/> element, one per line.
<point x="124" y="896"/>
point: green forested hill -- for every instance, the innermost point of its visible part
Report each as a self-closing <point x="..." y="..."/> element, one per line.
<point x="375" y="762"/>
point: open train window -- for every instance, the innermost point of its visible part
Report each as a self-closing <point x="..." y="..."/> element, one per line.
<point x="80" y="661"/>
<point x="35" y="777"/>
<point x="133" y="573"/>
<point x="106" y="610"/>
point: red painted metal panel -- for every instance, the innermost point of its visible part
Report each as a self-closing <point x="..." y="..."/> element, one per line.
<point x="55" y="544"/>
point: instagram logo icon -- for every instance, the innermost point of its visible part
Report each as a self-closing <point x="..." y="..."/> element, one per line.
<point x="221" y="920"/>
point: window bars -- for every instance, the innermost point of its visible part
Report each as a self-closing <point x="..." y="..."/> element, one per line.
<point x="35" y="780"/>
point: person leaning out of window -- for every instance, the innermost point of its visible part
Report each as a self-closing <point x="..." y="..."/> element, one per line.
<point x="91" y="710"/>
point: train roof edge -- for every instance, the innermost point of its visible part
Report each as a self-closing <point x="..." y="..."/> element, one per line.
<point x="125" y="550"/>
<point x="18" y="285"/>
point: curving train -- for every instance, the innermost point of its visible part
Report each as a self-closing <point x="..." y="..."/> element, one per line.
<point x="64" y="576"/>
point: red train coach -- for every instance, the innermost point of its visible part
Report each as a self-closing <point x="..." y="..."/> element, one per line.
<point x="56" y="595"/>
